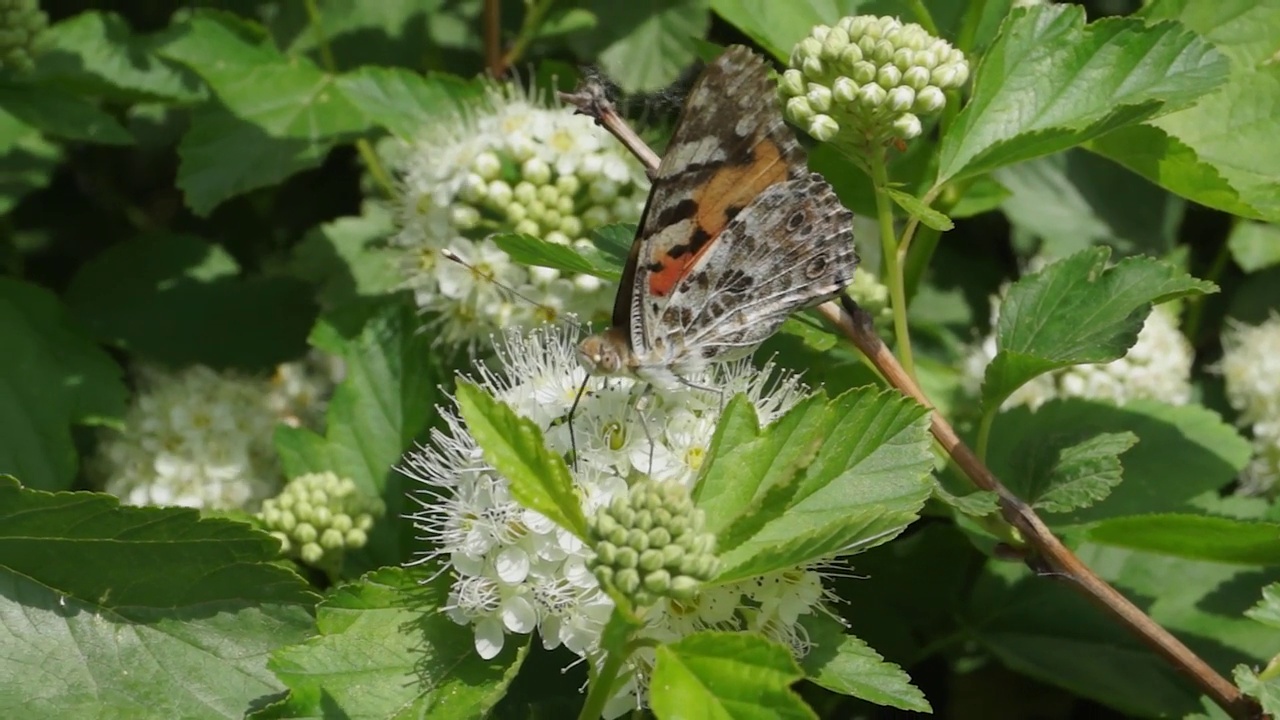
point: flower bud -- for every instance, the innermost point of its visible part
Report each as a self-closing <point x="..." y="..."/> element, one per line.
<point x="871" y="96"/>
<point x="929" y="100"/>
<point x="791" y="83"/>
<point x="888" y="77"/>
<point x="900" y="99"/>
<point x="863" y="72"/>
<point x="473" y="188"/>
<point x="916" y="78"/>
<point x="844" y="90"/>
<point x="834" y="43"/>
<point x="819" y="97"/>
<point x="487" y="165"/>
<point x="798" y="111"/>
<point x="907" y="126"/>
<point x="525" y="192"/>
<point x="822" y="127"/>
<point x="536" y="171"/>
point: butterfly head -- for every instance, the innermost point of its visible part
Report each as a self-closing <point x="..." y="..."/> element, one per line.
<point x="606" y="353"/>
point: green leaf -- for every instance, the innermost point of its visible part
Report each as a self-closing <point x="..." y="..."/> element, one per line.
<point x="563" y="21"/>
<point x="51" y="377"/>
<point x="983" y="194"/>
<point x="1220" y="151"/>
<point x="1263" y="687"/>
<point x="179" y="300"/>
<point x="273" y="114"/>
<point x="1255" y="246"/>
<point x="918" y="210"/>
<point x="27" y="162"/>
<point x="1267" y="611"/>
<point x="1049" y="82"/>
<point x="1073" y="200"/>
<point x="1077" y="311"/>
<point x="403" y="101"/>
<point x="138" y="612"/>
<point x="646" y="44"/>
<point x="539" y="479"/>
<point x="387" y="649"/>
<point x="529" y="250"/>
<point x="720" y="675"/>
<point x="858" y="492"/>
<point x="979" y="503"/>
<point x="385" y="401"/>
<point x="97" y="53"/>
<point x="776" y="26"/>
<point x="1062" y="472"/>
<point x="1182" y="452"/>
<point x="844" y="664"/>
<point x="57" y="112"/>
<point x="1194" y="537"/>
<point x="345" y="259"/>
<point x="614" y="243"/>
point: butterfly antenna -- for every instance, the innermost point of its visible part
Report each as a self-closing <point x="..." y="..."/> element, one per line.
<point x="573" y="439"/>
<point x="488" y="276"/>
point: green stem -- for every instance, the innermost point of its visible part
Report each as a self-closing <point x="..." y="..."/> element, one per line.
<point x="969" y="26"/>
<point x="528" y="29"/>
<point x="602" y="687"/>
<point x="923" y="17"/>
<point x="891" y="259"/>
<point x="984" y="431"/>
<point x="1195" y="309"/>
<point x="363" y="146"/>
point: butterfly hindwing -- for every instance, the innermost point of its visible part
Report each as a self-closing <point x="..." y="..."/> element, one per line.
<point x="729" y="145"/>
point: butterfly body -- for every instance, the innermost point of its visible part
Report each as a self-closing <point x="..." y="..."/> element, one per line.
<point x="736" y="235"/>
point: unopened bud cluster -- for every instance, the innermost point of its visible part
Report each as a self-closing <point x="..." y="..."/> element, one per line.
<point x="21" y="22"/>
<point x="319" y="516"/>
<point x="650" y="543"/>
<point x="869" y="79"/>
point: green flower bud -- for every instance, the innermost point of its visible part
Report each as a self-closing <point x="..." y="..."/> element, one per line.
<point x="813" y="68"/>
<point x="926" y="59"/>
<point x="819" y="97"/>
<point x="638" y="539"/>
<point x="564" y="205"/>
<point x="683" y="587"/>
<point x="527" y="227"/>
<point x="900" y="99"/>
<point x="474" y="188"/>
<point x="907" y="126"/>
<point x="651" y="560"/>
<point x="834" y="43"/>
<point x="797" y="110"/>
<point x="808" y="48"/>
<point x="792" y="83"/>
<point x="595" y="216"/>
<point x="548" y="195"/>
<point x="659" y="537"/>
<point x="515" y="212"/>
<point x="536" y="171"/>
<point x="627" y="580"/>
<point x="357" y="537"/>
<point x="864" y="72"/>
<point x="823" y="127"/>
<point x="498" y="193"/>
<point x="882" y="53"/>
<point x="571" y="226"/>
<point x="305" y="532"/>
<point x="311" y="553"/>
<point x="556" y="237"/>
<point x="916" y="78"/>
<point x="606" y="553"/>
<point x="844" y="90"/>
<point x="525" y="192"/>
<point x="603" y="191"/>
<point x="930" y="100"/>
<point x="284" y="541"/>
<point x="948" y="76"/>
<point x="657" y="582"/>
<point x="568" y="185"/>
<point x="871" y="96"/>
<point x="888" y="77"/>
<point x="550" y="217"/>
<point x="628" y="557"/>
<point x="904" y="59"/>
<point x="487" y="165"/>
<point x="332" y="539"/>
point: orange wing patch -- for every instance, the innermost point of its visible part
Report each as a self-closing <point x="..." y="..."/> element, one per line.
<point x="713" y="204"/>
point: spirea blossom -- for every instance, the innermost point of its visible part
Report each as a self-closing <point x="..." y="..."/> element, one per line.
<point x="1250" y="368"/>
<point x="509" y="164"/>
<point x="201" y="438"/>
<point x="1157" y="367"/>
<point x="515" y="571"/>
<point x="318" y="517"/>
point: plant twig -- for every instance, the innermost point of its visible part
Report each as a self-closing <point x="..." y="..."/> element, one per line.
<point x="856" y="324"/>
<point x="493" y="61"/>
<point x="1049" y="552"/>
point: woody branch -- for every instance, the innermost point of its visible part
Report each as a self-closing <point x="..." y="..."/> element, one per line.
<point x="1047" y="550"/>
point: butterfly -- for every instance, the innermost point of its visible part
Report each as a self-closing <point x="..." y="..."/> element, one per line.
<point x="736" y="235"/>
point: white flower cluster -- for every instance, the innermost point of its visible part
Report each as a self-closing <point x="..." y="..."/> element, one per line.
<point x="1250" y="367"/>
<point x="869" y="78"/>
<point x="509" y="164"/>
<point x="1157" y="367"/>
<point x="201" y="438"/>
<point x="515" y="571"/>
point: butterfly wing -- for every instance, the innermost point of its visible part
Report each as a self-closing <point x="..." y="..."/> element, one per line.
<point x="791" y="248"/>
<point x="729" y="145"/>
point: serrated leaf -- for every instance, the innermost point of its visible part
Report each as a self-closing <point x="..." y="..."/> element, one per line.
<point x="97" y="53"/>
<point x="538" y="479"/>
<point x="1077" y="311"/>
<point x="1267" y="611"/>
<point x="387" y="398"/>
<point x="138" y="612"/>
<point x="1073" y="200"/>
<point x="562" y="21"/>
<point x="868" y="482"/>
<point x="645" y="45"/>
<point x="979" y="503"/>
<point x="614" y="243"/>
<point x="720" y="675"/>
<point x="344" y="259"/>
<point x="983" y="194"/>
<point x="387" y="649"/>
<point x="1255" y="246"/>
<point x="27" y="162"/>
<point x="1049" y="82"/>
<point x="1194" y="537"/>
<point x="403" y="101"/>
<point x="918" y="210"/>
<point x="51" y="376"/>
<point x="57" y="112"/>
<point x="1062" y="472"/>
<point x="1218" y="152"/>
<point x="529" y="250"/>
<point x="1265" y="689"/>
<point x="777" y="27"/>
<point x="180" y="300"/>
<point x="1182" y="452"/>
<point x="273" y="115"/>
<point x="844" y="664"/>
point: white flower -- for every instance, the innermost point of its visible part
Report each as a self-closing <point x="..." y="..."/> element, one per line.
<point x="1251" y="368"/>
<point x="1157" y="367"/>
<point x="201" y="438"/>
<point x="507" y="163"/>
<point x="515" y="571"/>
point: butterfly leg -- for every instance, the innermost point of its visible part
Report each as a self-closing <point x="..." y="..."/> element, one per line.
<point x="573" y="439"/>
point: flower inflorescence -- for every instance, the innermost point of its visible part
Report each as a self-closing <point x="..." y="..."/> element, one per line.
<point x="318" y="517"/>
<point x="507" y="163"/>
<point x="1250" y="367"/>
<point x="868" y="79"/>
<point x="21" y="23"/>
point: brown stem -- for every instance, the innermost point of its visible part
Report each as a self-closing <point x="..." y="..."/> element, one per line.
<point x="857" y="326"/>
<point x="493" y="59"/>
